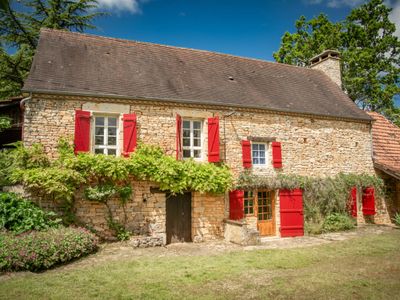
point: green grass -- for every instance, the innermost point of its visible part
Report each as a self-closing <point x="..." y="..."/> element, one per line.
<point x="360" y="268"/>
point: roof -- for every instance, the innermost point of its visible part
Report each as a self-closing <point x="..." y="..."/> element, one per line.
<point x="386" y="144"/>
<point x="75" y="63"/>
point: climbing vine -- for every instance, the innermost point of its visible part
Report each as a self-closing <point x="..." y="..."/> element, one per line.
<point x="108" y="177"/>
<point x="322" y="196"/>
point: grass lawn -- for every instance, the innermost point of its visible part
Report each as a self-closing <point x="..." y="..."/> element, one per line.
<point x="360" y="268"/>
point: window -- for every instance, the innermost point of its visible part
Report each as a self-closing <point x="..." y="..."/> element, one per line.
<point x="259" y="153"/>
<point x="192" y="139"/>
<point x="105" y="135"/>
<point x="264" y="204"/>
<point x="248" y="203"/>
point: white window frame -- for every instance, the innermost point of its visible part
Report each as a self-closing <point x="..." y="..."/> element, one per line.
<point x="106" y="147"/>
<point x="191" y="147"/>
<point x="265" y="154"/>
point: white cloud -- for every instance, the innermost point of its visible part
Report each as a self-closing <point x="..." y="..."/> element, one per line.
<point x="336" y="3"/>
<point x="395" y="15"/>
<point x="132" y="6"/>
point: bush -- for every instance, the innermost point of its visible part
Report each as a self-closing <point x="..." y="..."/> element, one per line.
<point x="39" y="250"/>
<point x="337" y="222"/>
<point x="20" y="215"/>
<point x="396" y="219"/>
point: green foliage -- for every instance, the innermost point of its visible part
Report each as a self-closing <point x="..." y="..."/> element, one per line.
<point x="20" y="25"/>
<point x="5" y="122"/>
<point x="39" y="250"/>
<point x="20" y="215"/>
<point x="370" y="53"/>
<point x="337" y="222"/>
<point x="396" y="219"/>
<point x="321" y="196"/>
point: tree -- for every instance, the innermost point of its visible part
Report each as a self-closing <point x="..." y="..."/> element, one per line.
<point x="370" y="54"/>
<point x="20" y="28"/>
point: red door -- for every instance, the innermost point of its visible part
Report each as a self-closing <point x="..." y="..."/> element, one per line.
<point x="291" y="209"/>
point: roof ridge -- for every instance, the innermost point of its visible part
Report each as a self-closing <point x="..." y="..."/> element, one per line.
<point x="100" y="37"/>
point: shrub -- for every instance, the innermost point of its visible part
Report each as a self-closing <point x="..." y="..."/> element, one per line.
<point x="396" y="219"/>
<point x="39" y="250"/>
<point x="337" y="222"/>
<point x="20" y="215"/>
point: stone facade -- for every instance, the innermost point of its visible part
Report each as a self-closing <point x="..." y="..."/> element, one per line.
<point x="311" y="146"/>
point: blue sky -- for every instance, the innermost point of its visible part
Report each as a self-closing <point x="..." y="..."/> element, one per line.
<point x="246" y="28"/>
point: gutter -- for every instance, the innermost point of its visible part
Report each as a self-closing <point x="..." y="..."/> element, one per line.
<point x="367" y="119"/>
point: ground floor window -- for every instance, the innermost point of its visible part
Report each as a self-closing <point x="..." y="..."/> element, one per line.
<point x="248" y="204"/>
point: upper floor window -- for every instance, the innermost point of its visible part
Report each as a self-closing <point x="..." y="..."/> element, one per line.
<point x="258" y="154"/>
<point x="192" y="139"/>
<point x="105" y="135"/>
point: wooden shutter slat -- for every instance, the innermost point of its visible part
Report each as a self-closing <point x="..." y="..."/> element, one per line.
<point x="178" y="137"/>
<point x="130" y="134"/>
<point x="213" y="139"/>
<point x="246" y="154"/>
<point x="82" y="131"/>
<point x="276" y="154"/>
<point x="236" y="199"/>
<point x="353" y="202"/>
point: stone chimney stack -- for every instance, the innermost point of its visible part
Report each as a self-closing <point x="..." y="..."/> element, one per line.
<point x="329" y="63"/>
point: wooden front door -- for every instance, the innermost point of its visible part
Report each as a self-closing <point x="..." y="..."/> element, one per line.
<point x="179" y="218"/>
<point x="265" y="211"/>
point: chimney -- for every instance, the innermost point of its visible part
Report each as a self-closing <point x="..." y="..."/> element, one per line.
<point x="329" y="63"/>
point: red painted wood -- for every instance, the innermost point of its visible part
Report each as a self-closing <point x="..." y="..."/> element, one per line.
<point x="276" y="154"/>
<point x="368" y="201"/>
<point x="130" y="134"/>
<point x="291" y="212"/>
<point x="213" y="139"/>
<point x="353" y="202"/>
<point x="82" y="131"/>
<point x="178" y="137"/>
<point x="246" y="154"/>
<point x="236" y="205"/>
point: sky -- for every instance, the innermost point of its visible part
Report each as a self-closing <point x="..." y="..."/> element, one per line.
<point x="251" y="28"/>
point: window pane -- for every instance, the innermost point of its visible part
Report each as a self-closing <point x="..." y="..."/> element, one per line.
<point x="100" y="121"/>
<point x="261" y="147"/>
<point x="99" y="140"/>
<point x="254" y="147"/>
<point x="196" y="125"/>
<point x="112" y="131"/>
<point x="112" y="141"/>
<point x="255" y="161"/>
<point x="255" y="153"/>
<point x="186" y="142"/>
<point x="112" y="121"/>
<point x="186" y="153"/>
<point x="196" y="133"/>
<point x="99" y="131"/>
<point x="99" y="151"/>
<point x="186" y="124"/>
<point x="197" y="153"/>
<point x="112" y="152"/>
<point x="262" y="161"/>
<point x="186" y="133"/>
<point x="196" y="143"/>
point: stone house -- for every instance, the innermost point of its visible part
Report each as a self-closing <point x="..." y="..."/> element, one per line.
<point x="250" y="114"/>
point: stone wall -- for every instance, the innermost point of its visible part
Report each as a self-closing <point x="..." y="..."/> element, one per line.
<point x="311" y="146"/>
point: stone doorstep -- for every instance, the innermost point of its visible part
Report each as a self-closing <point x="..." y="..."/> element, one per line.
<point x="267" y="239"/>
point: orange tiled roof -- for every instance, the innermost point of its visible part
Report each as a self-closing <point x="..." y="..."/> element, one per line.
<point x="386" y="143"/>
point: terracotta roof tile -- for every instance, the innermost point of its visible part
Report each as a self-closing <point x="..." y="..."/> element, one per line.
<point x="92" y="65"/>
<point x="386" y="142"/>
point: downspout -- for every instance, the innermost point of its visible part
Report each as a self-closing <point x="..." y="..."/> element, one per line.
<point x="22" y="107"/>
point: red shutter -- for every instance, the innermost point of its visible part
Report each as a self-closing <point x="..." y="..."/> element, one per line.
<point x="130" y="134"/>
<point x="213" y="139"/>
<point x="178" y="137"/>
<point x="246" y="154"/>
<point x="353" y="202"/>
<point x="82" y="131"/>
<point x="291" y="211"/>
<point x="236" y="205"/>
<point x="368" y="201"/>
<point x="276" y="154"/>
